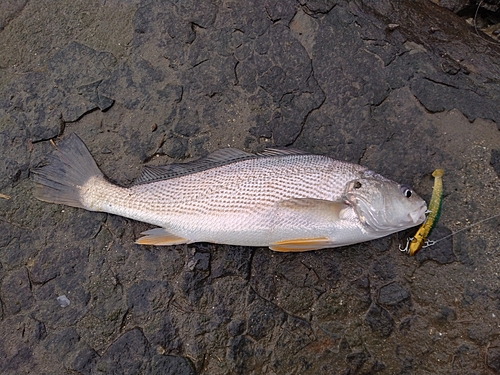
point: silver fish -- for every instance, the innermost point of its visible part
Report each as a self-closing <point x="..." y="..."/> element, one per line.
<point x="285" y="199"/>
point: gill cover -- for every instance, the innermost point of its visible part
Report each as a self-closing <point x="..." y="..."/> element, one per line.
<point x="383" y="205"/>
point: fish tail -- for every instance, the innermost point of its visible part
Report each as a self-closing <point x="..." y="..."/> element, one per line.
<point x="71" y="166"/>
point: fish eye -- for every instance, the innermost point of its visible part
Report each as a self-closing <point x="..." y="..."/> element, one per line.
<point x="357" y="185"/>
<point x="406" y="190"/>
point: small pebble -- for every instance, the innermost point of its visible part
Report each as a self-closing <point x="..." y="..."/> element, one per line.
<point x="63" y="301"/>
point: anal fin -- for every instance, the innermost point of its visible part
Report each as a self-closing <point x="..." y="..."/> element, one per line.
<point x="160" y="237"/>
<point x="301" y="244"/>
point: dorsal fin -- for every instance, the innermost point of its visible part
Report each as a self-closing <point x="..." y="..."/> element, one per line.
<point x="281" y="151"/>
<point x="215" y="159"/>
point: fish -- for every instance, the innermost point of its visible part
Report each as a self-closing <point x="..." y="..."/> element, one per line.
<point x="417" y="242"/>
<point x="285" y="199"/>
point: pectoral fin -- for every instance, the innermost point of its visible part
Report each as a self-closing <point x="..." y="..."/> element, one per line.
<point x="160" y="237"/>
<point x="301" y="244"/>
<point x="331" y="210"/>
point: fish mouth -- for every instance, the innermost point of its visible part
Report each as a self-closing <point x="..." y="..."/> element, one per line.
<point x="418" y="216"/>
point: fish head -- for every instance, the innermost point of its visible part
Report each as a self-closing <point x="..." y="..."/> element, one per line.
<point x="384" y="205"/>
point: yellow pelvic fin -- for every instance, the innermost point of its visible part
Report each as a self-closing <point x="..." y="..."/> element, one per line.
<point x="160" y="237"/>
<point x="301" y="244"/>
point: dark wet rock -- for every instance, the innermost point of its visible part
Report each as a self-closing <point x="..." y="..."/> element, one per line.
<point x="298" y="273"/>
<point x="236" y="327"/>
<point x="15" y="145"/>
<point x="448" y="99"/>
<point x="57" y="272"/>
<point x="446" y="86"/>
<point x="383" y="269"/>
<point x="357" y="359"/>
<point x="170" y="365"/>
<point x="199" y="262"/>
<point x="39" y="121"/>
<point x="45" y="268"/>
<point x="473" y="292"/>
<point x="466" y="358"/>
<point x="20" y="335"/>
<point x="9" y="9"/>
<point x="453" y="5"/>
<point x="127" y="355"/>
<point x="62" y="341"/>
<point x="328" y="271"/>
<point x="49" y="309"/>
<point x="446" y="315"/>
<point x="176" y="147"/>
<point x="185" y="128"/>
<point x="166" y="336"/>
<point x="64" y="95"/>
<point x="495" y="161"/>
<point x="338" y="302"/>
<point x="88" y="65"/>
<point x="382" y="244"/>
<point x="15" y="252"/>
<point x="263" y="316"/>
<point x="146" y="296"/>
<point x="353" y="80"/>
<point x="392" y="294"/>
<point x="442" y="251"/>
<point x="480" y="333"/>
<point x="82" y="361"/>
<point x="85" y="224"/>
<point x="293" y="90"/>
<point x="318" y="6"/>
<point x="380" y="321"/>
<point x="329" y="305"/>
<point x="16" y="292"/>
<point x="240" y="354"/>
<point x="233" y="261"/>
<point x="295" y="335"/>
<point x="137" y="85"/>
<point x="361" y="292"/>
<point x="460" y="246"/>
<point x="11" y="362"/>
<point x="407" y="323"/>
<point x="262" y="280"/>
<point x="281" y="11"/>
<point x="89" y="92"/>
<point x="39" y="331"/>
<point x="377" y="367"/>
<point x="197" y="271"/>
<point x="493" y="358"/>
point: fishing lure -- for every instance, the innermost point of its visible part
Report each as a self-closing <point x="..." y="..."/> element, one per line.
<point x="414" y="244"/>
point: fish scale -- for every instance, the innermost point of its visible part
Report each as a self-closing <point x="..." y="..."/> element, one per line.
<point x="233" y="197"/>
<point x="250" y="191"/>
<point x="284" y="199"/>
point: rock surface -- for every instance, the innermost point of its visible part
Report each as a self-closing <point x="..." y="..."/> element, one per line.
<point x="402" y="87"/>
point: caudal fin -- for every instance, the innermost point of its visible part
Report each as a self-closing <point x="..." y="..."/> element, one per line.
<point x="71" y="166"/>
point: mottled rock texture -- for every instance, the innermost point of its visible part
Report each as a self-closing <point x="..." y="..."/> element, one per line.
<point x="403" y="87"/>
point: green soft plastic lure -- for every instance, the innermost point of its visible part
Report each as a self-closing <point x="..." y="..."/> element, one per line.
<point x="415" y="243"/>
